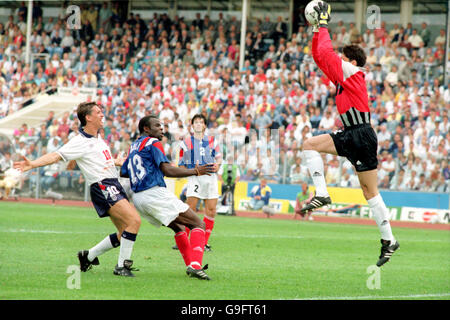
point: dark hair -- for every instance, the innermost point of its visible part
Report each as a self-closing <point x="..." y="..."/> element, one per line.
<point x="84" y="109"/>
<point x="354" y="52"/>
<point x="145" y="122"/>
<point x="199" y="116"/>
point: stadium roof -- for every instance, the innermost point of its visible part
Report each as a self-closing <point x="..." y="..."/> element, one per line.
<point x="420" y="7"/>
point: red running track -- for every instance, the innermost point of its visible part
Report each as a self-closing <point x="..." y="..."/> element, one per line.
<point x="255" y="214"/>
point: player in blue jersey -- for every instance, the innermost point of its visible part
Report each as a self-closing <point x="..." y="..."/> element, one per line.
<point x="146" y="166"/>
<point x="201" y="149"/>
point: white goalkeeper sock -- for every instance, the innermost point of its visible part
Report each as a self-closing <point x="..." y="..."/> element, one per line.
<point x="380" y="214"/>
<point x="314" y="163"/>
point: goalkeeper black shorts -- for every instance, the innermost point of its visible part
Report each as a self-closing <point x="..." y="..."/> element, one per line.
<point x="359" y="145"/>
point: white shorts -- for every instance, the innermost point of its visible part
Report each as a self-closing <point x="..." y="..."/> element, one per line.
<point x="158" y="205"/>
<point x="202" y="187"/>
<point x="125" y="182"/>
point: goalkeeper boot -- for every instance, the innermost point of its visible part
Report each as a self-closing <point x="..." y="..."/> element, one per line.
<point x="85" y="264"/>
<point x="387" y="250"/>
<point x="315" y="203"/>
<point x="198" y="273"/>
<point x="125" y="270"/>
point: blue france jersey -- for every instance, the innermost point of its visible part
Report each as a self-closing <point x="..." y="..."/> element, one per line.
<point x="142" y="164"/>
<point x="202" y="151"/>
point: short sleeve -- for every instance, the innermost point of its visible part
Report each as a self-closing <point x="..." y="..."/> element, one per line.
<point x="72" y="150"/>
<point x="157" y="151"/>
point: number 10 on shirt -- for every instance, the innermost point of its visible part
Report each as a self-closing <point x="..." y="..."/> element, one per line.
<point x="107" y="154"/>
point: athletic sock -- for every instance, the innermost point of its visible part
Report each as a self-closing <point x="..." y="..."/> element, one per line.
<point x="198" y="246"/>
<point x="209" y="225"/>
<point x="182" y="241"/>
<point x="106" y="244"/>
<point x="314" y="163"/>
<point x="126" y="247"/>
<point x="380" y="214"/>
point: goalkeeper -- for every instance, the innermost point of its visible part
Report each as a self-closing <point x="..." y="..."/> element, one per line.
<point x="358" y="141"/>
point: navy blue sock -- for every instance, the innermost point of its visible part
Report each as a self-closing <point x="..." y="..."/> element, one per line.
<point x="114" y="240"/>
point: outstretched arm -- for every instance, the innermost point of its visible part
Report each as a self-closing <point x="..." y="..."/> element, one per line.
<point x="325" y="57"/>
<point x="181" y="172"/>
<point x="27" y="164"/>
<point x="322" y="48"/>
<point x="315" y="41"/>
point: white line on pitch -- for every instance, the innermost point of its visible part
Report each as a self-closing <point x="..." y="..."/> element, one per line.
<point x="412" y="296"/>
<point x="218" y="234"/>
<point x="151" y="234"/>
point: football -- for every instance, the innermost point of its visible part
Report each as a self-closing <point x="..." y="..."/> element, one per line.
<point x="310" y="14"/>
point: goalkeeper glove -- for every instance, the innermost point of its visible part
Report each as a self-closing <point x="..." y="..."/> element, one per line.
<point x="324" y="11"/>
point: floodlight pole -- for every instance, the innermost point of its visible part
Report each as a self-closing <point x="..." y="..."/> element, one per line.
<point x="208" y="9"/>
<point x="243" y="34"/>
<point x="446" y="66"/>
<point x="290" y="19"/>
<point x="29" y="25"/>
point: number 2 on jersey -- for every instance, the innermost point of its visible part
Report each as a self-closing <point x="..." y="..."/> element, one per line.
<point x="136" y="163"/>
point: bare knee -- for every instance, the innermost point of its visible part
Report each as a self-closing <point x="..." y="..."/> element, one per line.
<point x="368" y="192"/>
<point x="176" y="227"/>
<point x="190" y="219"/>
<point x="307" y="145"/>
<point x="134" y="222"/>
<point x="199" y="224"/>
<point x="211" y="210"/>
<point x="137" y="220"/>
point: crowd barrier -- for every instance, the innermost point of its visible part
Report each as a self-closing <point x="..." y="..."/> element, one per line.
<point x="402" y="205"/>
<point x="405" y="206"/>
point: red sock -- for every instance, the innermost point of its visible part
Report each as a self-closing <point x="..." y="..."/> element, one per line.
<point x="198" y="246"/>
<point x="184" y="246"/>
<point x="209" y="225"/>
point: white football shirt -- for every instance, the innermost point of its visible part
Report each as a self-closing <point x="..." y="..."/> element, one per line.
<point x="92" y="155"/>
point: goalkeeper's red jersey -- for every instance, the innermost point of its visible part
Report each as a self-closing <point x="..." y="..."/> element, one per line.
<point x="352" y="100"/>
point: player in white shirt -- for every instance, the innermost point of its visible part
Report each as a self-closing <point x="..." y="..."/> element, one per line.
<point x="93" y="157"/>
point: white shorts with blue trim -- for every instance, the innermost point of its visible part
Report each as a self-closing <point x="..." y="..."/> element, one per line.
<point x="158" y="205"/>
<point x="203" y="187"/>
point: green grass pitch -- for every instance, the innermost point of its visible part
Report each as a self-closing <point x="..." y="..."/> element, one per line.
<point x="252" y="259"/>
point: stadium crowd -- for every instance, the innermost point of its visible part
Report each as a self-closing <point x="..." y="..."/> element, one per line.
<point x="175" y="69"/>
